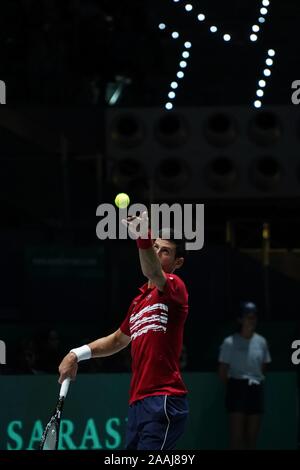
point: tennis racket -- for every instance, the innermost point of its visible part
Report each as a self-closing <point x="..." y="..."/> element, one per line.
<point x="49" y="440"/>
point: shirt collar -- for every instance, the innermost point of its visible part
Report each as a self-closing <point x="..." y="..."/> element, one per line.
<point x="145" y="288"/>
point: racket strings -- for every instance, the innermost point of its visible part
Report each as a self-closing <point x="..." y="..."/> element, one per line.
<point x="51" y="437"/>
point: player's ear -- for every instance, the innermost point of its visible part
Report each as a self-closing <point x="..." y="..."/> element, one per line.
<point x="179" y="262"/>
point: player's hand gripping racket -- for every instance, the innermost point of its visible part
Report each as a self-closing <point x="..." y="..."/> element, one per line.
<point x="49" y="440"/>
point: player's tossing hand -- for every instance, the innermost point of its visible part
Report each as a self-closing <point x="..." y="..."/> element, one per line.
<point x="68" y="367"/>
<point x="138" y="226"/>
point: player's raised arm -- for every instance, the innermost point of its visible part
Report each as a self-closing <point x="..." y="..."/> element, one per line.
<point x="150" y="264"/>
<point x="102" y="347"/>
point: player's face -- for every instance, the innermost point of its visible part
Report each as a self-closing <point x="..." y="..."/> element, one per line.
<point x="166" y="252"/>
<point x="249" y="321"/>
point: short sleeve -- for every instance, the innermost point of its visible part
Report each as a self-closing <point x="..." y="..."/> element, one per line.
<point x="175" y="289"/>
<point x="267" y="355"/>
<point x="124" y="327"/>
<point x="225" y="351"/>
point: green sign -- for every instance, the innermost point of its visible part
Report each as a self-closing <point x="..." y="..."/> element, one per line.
<point x="95" y="412"/>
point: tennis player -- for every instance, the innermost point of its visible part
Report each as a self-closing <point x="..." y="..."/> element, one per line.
<point x="154" y="324"/>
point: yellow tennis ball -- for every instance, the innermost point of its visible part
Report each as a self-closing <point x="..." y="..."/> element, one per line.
<point x="122" y="200"/>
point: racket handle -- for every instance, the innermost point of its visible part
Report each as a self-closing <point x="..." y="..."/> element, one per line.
<point x="64" y="388"/>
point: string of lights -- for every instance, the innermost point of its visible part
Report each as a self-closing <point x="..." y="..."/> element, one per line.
<point x="254" y="36"/>
<point x="183" y="63"/>
<point x="263" y="12"/>
<point x="267" y="72"/>
<point x="201" y="17"/>
<point x="263" y="82"/>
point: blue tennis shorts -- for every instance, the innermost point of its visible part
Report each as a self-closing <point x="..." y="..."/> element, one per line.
<point x="156" y="422"/>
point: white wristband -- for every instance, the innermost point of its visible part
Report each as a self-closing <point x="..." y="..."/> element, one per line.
<point x="83" y="353"/>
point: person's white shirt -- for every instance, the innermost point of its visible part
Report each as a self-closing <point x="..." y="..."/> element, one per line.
<point x="245" y="357"/>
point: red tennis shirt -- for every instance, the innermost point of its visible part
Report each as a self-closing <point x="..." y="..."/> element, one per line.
<point x="155" y="322"/>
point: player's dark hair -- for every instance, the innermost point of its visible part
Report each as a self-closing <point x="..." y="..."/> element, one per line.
<point x="174" y="237"/>
<point x="247" y="307"/>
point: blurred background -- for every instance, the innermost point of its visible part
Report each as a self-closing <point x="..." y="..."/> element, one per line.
<point x="176" y="102"/>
